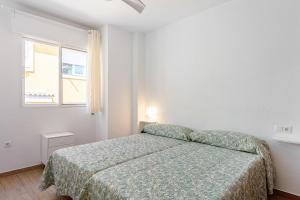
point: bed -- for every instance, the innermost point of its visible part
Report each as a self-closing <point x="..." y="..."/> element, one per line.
<point x="167" y="162"/>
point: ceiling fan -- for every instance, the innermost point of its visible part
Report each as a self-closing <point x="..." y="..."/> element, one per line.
<point x="138" y="5"/>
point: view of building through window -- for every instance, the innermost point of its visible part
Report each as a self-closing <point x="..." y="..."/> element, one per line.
<point x="74" y="76"/>
<point x="41" y="82"/>
<point x="41" y="73"/>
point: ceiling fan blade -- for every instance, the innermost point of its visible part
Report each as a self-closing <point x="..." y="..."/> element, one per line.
<point x="138" y="5"/>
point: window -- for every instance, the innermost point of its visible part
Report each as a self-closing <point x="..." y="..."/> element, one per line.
<point x="74" y="76"/>
<point x="42" y="72"/>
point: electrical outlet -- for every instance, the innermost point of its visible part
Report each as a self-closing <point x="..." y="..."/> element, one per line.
<point x="7" y="144"/>
<point x="283" y="129"/>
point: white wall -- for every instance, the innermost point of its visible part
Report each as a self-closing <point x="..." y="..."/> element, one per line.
<point x="235" y="66"/>
<point x="138" y="81"/>
<point x="121" y="52"/>
<point x="119" y="81"/>
<point x="42" y="28"/>
<point x="116" y="119"/>
<point x="24" y="125"/>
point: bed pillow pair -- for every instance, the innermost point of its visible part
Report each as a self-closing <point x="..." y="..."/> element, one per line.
<point x="168" y="130"/>
<point x="226" y="139"/>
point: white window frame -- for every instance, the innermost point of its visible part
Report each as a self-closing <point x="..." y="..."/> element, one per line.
<point x="60" y="77"/>
<point x="28" y="68"/>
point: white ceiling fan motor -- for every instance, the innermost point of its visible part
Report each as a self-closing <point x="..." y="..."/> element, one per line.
<point x="137" y="5"/>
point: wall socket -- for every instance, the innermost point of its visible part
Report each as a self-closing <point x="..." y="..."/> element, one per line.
<point x="283" y="129"/>
<point x="7" y="144"/>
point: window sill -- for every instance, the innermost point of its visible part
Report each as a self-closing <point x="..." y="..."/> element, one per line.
<point x="73" y="105"/>
<point x="54" y="106"/>
<point x="40" y="105"/>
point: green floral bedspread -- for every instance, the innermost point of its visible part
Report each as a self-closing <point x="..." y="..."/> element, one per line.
<point x="239" y="142"/>
<point x="189" y="171"/>
<point x="69" y="169"/>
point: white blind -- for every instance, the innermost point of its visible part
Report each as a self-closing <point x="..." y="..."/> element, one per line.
<point x="39" y="27"/>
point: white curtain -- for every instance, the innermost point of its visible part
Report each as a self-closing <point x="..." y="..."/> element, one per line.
<point x="94" y="64"/>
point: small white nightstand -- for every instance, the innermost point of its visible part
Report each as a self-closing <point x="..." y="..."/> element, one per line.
<point x="54" y="141"/>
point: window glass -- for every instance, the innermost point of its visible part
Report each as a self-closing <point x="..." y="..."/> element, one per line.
<point x="41" y="81"/>
<point x="74" y="72"/>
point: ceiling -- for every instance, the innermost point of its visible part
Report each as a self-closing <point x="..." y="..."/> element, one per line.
<point x="94" y="13"/>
